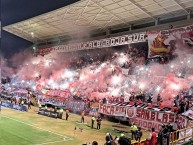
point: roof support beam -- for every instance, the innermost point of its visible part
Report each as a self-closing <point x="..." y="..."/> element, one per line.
<point x="80" y="14"/>
<point x="181" y="7"/>
<point x="189" y="16"/>
<point x="82" y="11"/>
<point x="95" y="17"/>
<point x="142" y="9"/>
<point x="157" y="22"/>
<point x="106" y="25"/>
<point x="99" y="5"/>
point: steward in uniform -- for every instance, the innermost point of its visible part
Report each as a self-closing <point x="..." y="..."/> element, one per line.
<point x="134" y="130"/>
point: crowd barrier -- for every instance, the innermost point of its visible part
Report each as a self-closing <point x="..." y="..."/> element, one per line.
<point x="179" y="137"/>
<point x="49" y="113"/>
<point x="182" y="136"/>
<point x="14" y="106"/>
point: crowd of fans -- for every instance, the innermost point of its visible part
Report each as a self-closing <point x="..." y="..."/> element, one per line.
<point x="137" y="53"/>
<point x="163" y="137"/>
<point x="182" y="101"/>
<point x="79" y="102"/>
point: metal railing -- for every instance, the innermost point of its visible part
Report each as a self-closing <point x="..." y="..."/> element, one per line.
<point x="178" y="137"/>
<point x="181" y="136"/>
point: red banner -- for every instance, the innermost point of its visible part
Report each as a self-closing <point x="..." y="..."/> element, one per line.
<point x="58" y="93"/>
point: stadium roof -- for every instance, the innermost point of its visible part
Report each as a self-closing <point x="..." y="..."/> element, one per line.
<point x="88" y="15"/>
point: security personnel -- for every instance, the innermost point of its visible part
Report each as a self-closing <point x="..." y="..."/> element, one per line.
<point x="67" y="114"/>
<point x="61" y="113"/>
<point x="46" y="108"/>
<point x="92" y="121"/>
<point x="133" y="131"/>
<point x="29" y="104"/>
<point x="99" y="122"/>
<point x="22" y="103"/>
<point x="40" y="106"/>
<point x="139" y="134"/>
<point x="55" y="109"/>
<point x="82" y="116"/>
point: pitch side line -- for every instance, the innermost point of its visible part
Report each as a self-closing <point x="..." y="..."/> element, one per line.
<point x="66" y="138"/>
<point x="51" y="142"/>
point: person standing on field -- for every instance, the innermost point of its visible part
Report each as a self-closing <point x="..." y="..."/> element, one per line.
<point x="99" y="122"/>
<point x="82" y="116"/>
<point x="92" y="121"/>
<point x="67" y="114"/>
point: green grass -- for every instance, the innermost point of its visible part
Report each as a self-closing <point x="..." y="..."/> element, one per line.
<point x="15" y="132"/>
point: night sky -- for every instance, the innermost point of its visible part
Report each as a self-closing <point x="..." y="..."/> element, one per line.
<point x="13" y="11"/>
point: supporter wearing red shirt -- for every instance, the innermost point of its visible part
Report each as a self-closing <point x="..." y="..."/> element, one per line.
<point x="153" y="138"/>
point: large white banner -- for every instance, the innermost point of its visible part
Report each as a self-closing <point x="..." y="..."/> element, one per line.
<point x="144" y="118"/>
<point x="108" y="42"/>
<point x="189" y="113"/>
<point x="166" y="42"/>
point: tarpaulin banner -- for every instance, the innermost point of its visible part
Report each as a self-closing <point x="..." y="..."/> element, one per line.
<point x="75" y="106"/>
<point x="59" y="93"/>
<point x="154" y="119"/>
<point x="112" y="110"/>
<point x="108" y="42"/>
<point x="144" y="118"/>
<point x="165" y="42"/>
<point x="14" y="106"/>
<point x="93" y="112"/>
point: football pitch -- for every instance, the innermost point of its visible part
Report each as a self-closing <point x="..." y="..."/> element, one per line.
<point x="15" y="132"/>
<point x="29" y="128"/>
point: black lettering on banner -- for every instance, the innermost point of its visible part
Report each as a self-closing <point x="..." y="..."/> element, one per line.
<point x="98" y="44"/>
<point x="135" y="37"/>
<point x="122" y="41"/>
<point x="130" y="38"/>
<point x="107" y="42"/>
<point x="94" y="44"/>
<point x="90" y="44"/>
<point x="141" y="37"/>
<point x="103" y="42"/>
<point x="117" y="41"/>
<point x="112" y="41"/>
